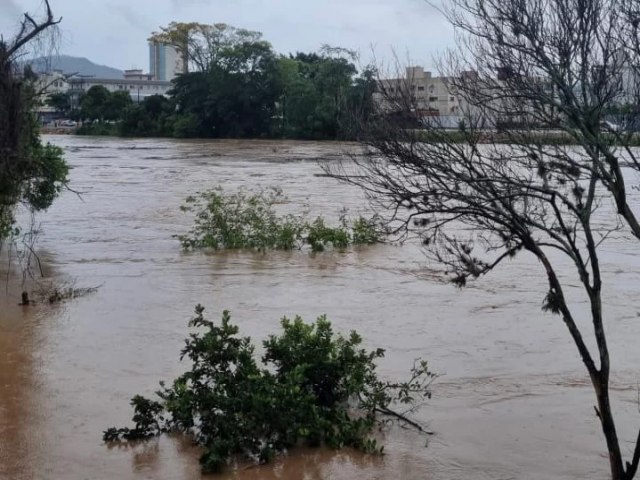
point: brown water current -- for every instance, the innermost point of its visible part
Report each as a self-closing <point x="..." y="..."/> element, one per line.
<point x="513" y="401"/>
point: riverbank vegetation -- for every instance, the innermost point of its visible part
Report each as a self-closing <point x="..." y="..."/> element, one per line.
<point x="32" y="174"/>
<point x="249" y="221"/>
<point x="310" y="387"/>
<point x="239" y="89"/>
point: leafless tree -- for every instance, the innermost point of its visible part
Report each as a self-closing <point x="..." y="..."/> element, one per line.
<point x="531" y="75"/>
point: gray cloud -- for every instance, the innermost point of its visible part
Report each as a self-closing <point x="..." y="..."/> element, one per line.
<point x="9" y="7"/>
<point x="114" y="32"/>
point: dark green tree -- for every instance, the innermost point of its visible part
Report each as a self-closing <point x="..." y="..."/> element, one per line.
<point x="60" y="101"/>
<point x="312" y="386"/>
<point x="152" y="118"/>
<point x="321" y="95"/>
<point x="116" y="105"/>
<point x="236" y="97"/>
<point x="94" y="104"/>
<point x="31" y="173"/>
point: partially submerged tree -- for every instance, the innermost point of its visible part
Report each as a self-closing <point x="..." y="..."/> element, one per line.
<point x="30" y="173"/>
<point x="311" y="386"/>
<point x="526" y="65"/>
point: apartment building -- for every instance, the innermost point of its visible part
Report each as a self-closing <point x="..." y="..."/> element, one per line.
<point x="429" y="95"/>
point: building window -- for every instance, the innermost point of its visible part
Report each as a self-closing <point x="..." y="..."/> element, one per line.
<point x="452" y="99"/>
<point x="421" y="89"/>
<point x="433" y="99"/>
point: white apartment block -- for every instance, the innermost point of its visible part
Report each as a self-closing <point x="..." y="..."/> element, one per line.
<point x="428" y="96"/>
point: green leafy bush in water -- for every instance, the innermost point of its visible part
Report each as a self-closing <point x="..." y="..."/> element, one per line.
<point x="248" y="220"/>
<point x="311" y="387"/>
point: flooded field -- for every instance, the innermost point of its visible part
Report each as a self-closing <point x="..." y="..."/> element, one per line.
<point x="513" y="402"/>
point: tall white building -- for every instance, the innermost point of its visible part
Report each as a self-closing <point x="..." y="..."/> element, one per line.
<point x="165" y="62"/>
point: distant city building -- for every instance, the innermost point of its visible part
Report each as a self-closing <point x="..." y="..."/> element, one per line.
<point x="165" y="62"/>
<point x="135" y="82"/>
<point x="49" y="83"/>
<point x="429" y="96"/>
<point x="137" y="75"/>
<point x="52" y="82"/>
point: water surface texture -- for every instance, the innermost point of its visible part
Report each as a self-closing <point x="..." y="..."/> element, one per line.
<point x="513" y="401"/>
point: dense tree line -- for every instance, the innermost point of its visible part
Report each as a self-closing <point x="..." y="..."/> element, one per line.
<point x="242" y="90"/>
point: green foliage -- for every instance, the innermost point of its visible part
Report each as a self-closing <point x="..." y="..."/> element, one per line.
<point x="31" y="173"/>
<point x="365" y="231"/>
<point x="239" y="88"/>
<point x="153" y="117"/>
<point x="319" y="235"/>
<point x="60" y="101"/>
<point x="312" y="386"/>
<point x="47" y="176"/>
<point x="100" y="105"/>
<point x="248" y="220"/>
<point x="321" y="96"/>
<point x="235" y="97"/>
<point x="147" y="417"/>
<point x="186" y="126"/>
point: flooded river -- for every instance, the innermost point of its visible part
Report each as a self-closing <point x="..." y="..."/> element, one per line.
<point x="513" y="401"/>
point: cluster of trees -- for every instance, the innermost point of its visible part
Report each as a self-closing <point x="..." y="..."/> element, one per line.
<point x="239" y="87"/>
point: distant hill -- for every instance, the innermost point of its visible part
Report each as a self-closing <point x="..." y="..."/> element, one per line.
<point x="79" y="65"/>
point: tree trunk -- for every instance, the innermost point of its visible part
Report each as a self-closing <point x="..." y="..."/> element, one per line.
<point x="601" y="385"/>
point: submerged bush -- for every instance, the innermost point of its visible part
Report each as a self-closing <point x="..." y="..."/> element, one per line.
<point x="311" y="386"/>
<point x="248" y="220"/>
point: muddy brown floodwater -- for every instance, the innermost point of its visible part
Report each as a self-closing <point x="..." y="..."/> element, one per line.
<point x="513" y="401"/>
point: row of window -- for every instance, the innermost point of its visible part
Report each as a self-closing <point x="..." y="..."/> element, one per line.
<point x="421" y="89"/>
<point x="141" y="87"/>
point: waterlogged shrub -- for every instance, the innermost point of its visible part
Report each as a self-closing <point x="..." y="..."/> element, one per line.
<point x="312" y="387"/>
<point x="240" y="220"/>
<point x="248" y="220"/>
<point x="319" y="235"/>
<point x="365" y="231"/>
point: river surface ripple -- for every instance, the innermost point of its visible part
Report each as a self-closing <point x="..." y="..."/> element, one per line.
<point x="513" y="402"/>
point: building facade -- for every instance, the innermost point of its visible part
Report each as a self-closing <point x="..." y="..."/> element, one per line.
<point x="52" y="82"/>
<point x="135" y="83"/>
<point x="165" y="62"/>
<point x="428" y="96"/>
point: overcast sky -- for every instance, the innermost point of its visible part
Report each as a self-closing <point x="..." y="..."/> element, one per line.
<point x="114" y="32"/>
